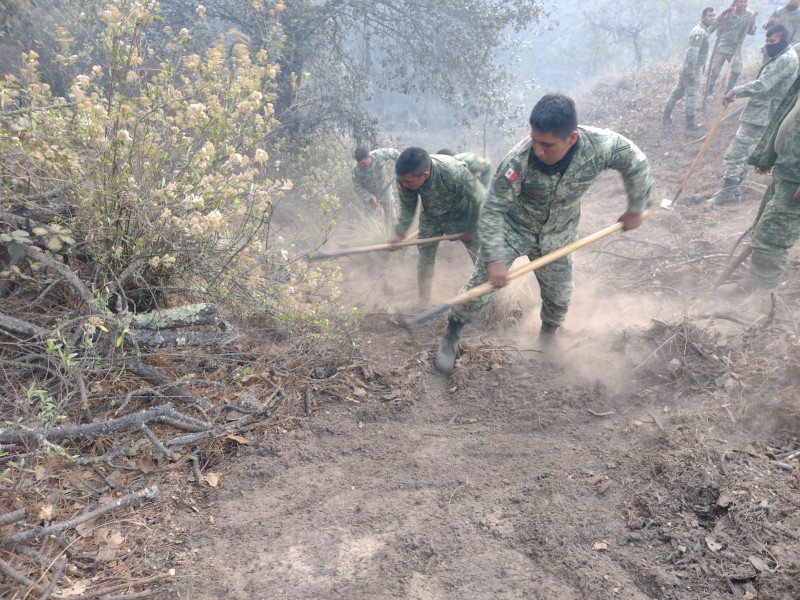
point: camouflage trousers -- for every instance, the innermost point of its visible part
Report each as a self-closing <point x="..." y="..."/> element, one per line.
<point x="426" y="264"/>
<point x="555" y="281"/>
<point x="776" y="229"/>
<point x="742" y="146"/>
<point x="685" y="87"/>
<point x="716" y="67"/>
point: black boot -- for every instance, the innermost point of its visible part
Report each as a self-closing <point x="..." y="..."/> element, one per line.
<point x="727" y="195"/>
<point x="666" y="119"/>
<point x="691" y="124"/>
<point x="547" y="334"/>
<point x="446" y="357"/>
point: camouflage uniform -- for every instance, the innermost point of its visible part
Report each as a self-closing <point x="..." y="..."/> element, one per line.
<point x="450" y="199"/>
<point x="689" y="75"/>
<point x="730" y="30"/>
<point x="777" y="226"/>
<point x="789" y="19"/>
<point x="530" y="213"/>
<point x="478" y="166"/>
<point x="378" y="180"/>
<point x="765" y="93"/>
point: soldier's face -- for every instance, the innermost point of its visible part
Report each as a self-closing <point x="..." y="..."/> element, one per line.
<point x="413" y="182"/>
<point x="365" y="162"/>
<point x="773" y="39"/>
<point x="550" y="148"/>
<point x="711" y="16"/>
<point x="740" y="5"/>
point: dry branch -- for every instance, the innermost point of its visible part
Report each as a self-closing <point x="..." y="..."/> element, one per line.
<point x="150" y="493"/>
<point x="19" y="327"/>
<point x="9" y="571"/>
<point x="164" y="413"/>
<point x="12" y="517"/>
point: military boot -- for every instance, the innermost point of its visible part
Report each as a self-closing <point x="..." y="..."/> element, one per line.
<point x="727" y="195"/>
<point x="547" y="334"/>
<point x="666" y="119"/>
<point x="691" y="124"/>
<point x="446" y="356"/>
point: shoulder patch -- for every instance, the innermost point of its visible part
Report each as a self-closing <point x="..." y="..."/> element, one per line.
<point x="511" y="174"/>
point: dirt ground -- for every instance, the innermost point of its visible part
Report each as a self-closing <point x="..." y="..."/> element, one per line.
<point x="648" y="457"/>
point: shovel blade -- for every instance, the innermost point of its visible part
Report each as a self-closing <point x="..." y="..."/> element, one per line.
<point x="668" y="204"/>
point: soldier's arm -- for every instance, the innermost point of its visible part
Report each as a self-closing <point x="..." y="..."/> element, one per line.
<point x="408" y="206"/>
<point x="630" y="161"/>
<point x="771" y="76"/>
<point x="472" y="193"/>
<point x="387" y="153"/>
<point x="491" y="222"/>
<point x="692" y="52"/>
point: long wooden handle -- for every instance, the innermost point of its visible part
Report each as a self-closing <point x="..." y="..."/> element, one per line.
<point x="701" y="152"/>
<point x="377" y="247"/>
<point x="485" y="288"/>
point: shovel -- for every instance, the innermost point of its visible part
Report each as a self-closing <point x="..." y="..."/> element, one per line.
<point x="320" y="255"/>
<point x="487" y="287"/>
<point x="670" y="204"/>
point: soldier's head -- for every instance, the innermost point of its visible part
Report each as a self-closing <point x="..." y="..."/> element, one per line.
<point x="554" y="127"/>
<point x="709" y="15"/>
<point x="777" y="40"/>
<point x="413" y="167"/>
<point x="793" y="4"/>
<point x="740" y="6"/>
<point x="448" y="152"/>
<point x="362" y="156"/>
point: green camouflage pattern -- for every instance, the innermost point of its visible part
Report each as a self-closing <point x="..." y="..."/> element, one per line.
<point x="530" y="213"/>
<point x="776" y="230"/>
<point x="479" y="166"/>
<point x="690" y="71"/>
<point x="732" y="31"/>
<point x="766" y="91"/>
<point x="449" y="202"/>
<point x="789" y="19"/>
<point x="764" y="154"/>
<point x="375" y="179"/>
<point x="735" y="159"/>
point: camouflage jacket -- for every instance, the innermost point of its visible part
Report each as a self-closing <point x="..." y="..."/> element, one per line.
<point x="374" y="179"/>
<point x="789" y="19"/>
<point x="533" y="203"/>
<point x="730" y="29"/>
<point x="478" y="166"/>
<point x="451" y="196"/>
<point x="769" y="88"/>
<point x="779" y="148"/>
<point x="697" y="51"/>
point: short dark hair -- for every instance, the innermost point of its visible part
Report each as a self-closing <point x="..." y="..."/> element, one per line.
<point x="707" y="10"/>
<point x="556" y="114"/>
<point x="361" y="153"/>
<point x="412" y="161"/>
<point x="780" y="30"/>
<point x="446" y="152"/>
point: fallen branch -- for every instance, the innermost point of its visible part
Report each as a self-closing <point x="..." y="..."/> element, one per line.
<point x="12" y="517"/>
<point x="23" y="328"/>
<point x="150" y="493"/>
<point x="9" y="571"/>
<point x="164" y="413"/>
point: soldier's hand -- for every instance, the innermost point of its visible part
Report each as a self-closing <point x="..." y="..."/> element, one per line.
<point x="763" y="170"/>
<point x="497" y="273"/>
<point x="796" y="196"/>
<point x="467" y="236"/>
<point x="395" y="239"/>
<point x="728" y="98"/>
<point x="631" y="220"/>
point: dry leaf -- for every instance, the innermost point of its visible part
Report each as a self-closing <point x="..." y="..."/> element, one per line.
<point x="238" y="438"/>
<point x="46" y="512"/>
<point x="712" y="543"/>
<point x="600" y="546"/>
<point x="212" y="479"/>
<point x="39" y="472"/>
<point x="759" y="563"/>
<point x="358" y="391"/>
<point x="75" y="589"/>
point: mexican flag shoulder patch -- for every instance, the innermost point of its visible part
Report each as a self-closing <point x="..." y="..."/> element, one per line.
<point x="511" y="175"/>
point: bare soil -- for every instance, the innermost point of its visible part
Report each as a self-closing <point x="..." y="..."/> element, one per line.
<point x="648" y="457"/>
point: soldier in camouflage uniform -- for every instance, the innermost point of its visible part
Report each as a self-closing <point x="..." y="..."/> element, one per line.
<point x="691" y="70"/>
<point x="479" y="166"/>
<point x="789" y="17"/>
<point x="449" y="199"/>
<point x="373" y="175"/>
<point x="534" y="208"/>
<point x="765" y="93"/>
<point x="777" y="226"/>
<point x="731" y="27"/>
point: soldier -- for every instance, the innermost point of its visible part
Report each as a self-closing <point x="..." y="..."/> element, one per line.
<point x="765" y="93"/>
<point x="789" y="17"/>
<point x="731" y="27"/>
<point x="374" y="176"/>
<point x="691" y="69"/>
<point x="479" y="166"/>
<point x="450" y="199"/>
<point x="777" y="226"/>
<point x="533" y="208"/>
